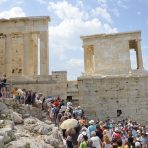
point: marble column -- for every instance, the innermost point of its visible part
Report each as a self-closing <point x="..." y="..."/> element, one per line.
<point x="8" y="55"/>
<point x="27" y="55"/>
<point x="89" y="62"/>
<point x="44" y="53"/>
<point x="139" y="56"/>
<point x="35" y="50"/>
<point x="85" y="59"/>
<point x="31" y="56"/>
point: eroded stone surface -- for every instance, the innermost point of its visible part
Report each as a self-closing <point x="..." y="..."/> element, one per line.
<point x="30" y="133"/>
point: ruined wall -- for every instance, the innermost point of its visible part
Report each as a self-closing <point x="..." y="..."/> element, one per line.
<point x="52" y="85"/>
<point x="102" y="97"/>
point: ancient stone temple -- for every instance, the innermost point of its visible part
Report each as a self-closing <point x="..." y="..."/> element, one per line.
<point x="24" y="56"/>
<point x="20" y="39"/>
<point x="109" y="87"/>
<point x="109" y="54"/>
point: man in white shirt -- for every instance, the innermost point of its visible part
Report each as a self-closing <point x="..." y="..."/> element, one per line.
<point x="96" y="142"/>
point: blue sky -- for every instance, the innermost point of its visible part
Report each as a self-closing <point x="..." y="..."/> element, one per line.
<point x="72" y="18"/>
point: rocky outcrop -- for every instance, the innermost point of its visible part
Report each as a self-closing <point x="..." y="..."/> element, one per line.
<point x="55" y="138"/>
<point x="1" y="141"/>
<point x="36" y="126"/>
<point x="8" y="134"/>
<point x="17" y="118"/>
<point x="20" y="127"/>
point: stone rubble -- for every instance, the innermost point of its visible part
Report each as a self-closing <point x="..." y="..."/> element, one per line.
<point x="20" y="129"/>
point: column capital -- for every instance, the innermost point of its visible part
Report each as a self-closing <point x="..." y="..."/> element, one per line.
<point x="87" y="46"/>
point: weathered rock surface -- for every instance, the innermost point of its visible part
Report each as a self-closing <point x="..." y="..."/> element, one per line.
<point x="55" y="138"/>
<point x="36" y="126"/>
<point x="20" y="127"/>
<point x="16" y="118"/>
<point x="8" y="134"/>
<point x="1" y="141"/>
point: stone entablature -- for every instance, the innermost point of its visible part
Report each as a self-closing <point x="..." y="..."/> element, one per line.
<point x="20" y="39"/>
<point x="109" y="54"/>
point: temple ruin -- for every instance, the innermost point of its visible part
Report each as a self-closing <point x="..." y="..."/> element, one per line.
<point x="109" y="54"/>
<point x="109" y="87"/>
<point x="20" y="39"/>
<point x="24" y="55"/>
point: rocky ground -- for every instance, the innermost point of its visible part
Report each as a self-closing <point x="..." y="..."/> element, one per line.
<point x="24" y="126"/>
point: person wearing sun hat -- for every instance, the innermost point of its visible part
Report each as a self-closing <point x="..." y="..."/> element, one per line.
<point x="92" y="127"/>
<point x="80" y="137"/>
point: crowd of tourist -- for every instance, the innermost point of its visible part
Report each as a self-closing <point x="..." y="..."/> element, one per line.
<point x="3" y="86"/>
<point x="96" y="134"/>
<point x="85" y="133"/>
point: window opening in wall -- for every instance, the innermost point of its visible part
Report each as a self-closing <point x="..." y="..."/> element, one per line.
<point x="133" y="54"/>
<point x="69" y="98"/>
<point x="20" y="71"/>
<point x="119" y="112"/>
<point x="133" y="59"/>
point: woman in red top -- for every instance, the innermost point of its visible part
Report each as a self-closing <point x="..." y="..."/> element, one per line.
<point x="56" y="103"/>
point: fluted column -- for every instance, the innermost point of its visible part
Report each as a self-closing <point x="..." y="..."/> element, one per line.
<point x="8" y="55"/>
<point x="26" y="54"/>
<point x="35" y="49"/>
<point x="44" y="53"/>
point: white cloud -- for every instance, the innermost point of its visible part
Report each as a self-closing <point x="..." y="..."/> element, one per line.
<point x="122" y="3"/>
<point x="102" y="12"/>
<point x="75" y="63"/>
<point x="14" y="12"/>
<point x="102" y="3"/>
<point x="65" y="10"/>
<point x="65" y="36"/>
<point x="109" y="29"/>
<point x="2" y="1"/>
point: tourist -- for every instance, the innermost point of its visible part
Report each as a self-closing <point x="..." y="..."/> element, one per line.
<point x="143" y="139"/>
<point x="92" y="127"/>
<point x="96" y="142"/>
<point x="69" y="141"/>
<point x="119" y="143"/>
<point x="74" y="135"/>
<point x="107" y="132"/>
<point x="125" y="145"/>
<point x="137" y="143"/>
<point x="28" y="98"/>
<point x="106" y="143"/>
<point x="84" y="143"/>
<point x="80" y="137"/>
<point x="3" y="87"/>
<point x="99" y="132"/>
<point x="116" y="134"/>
